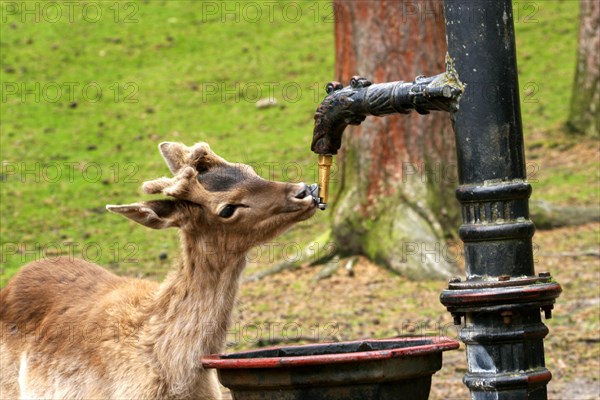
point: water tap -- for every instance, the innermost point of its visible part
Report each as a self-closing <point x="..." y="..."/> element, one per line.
<point x="350" y="105"/>
<point x="320" y="191"/>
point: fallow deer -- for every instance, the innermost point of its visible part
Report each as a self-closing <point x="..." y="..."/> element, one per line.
<point x="71" y="329"/>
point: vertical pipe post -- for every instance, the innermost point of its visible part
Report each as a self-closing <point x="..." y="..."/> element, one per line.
<point x="502" y="297"/>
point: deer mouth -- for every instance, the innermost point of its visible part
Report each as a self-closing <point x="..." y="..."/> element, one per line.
<point x="310" y="209"/>
<point x="303" y="203"/>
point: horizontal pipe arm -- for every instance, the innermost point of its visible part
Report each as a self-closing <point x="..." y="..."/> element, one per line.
<point x="350" y="105"/>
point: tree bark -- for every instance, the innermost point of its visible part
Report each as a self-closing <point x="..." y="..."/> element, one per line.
<point x="396" y="201"/>
<point x="584" y="115"/>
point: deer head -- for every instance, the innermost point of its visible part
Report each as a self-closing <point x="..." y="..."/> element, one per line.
<point x="214" y="199"/>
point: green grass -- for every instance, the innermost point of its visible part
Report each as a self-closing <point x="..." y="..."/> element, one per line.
<point x="182" y="75"/>
<point x="546" y="36"/>
<point x="168" y="70"/>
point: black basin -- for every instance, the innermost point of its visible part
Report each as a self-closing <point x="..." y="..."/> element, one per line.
<point x="385" y="369"/>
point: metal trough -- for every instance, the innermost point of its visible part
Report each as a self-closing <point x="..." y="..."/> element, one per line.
<point x="385" y="369"/>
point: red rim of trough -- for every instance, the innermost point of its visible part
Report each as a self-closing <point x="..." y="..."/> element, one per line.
<point x="438" y="344"/>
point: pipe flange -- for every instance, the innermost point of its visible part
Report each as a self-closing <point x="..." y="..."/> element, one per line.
<point x="500" y="294"/>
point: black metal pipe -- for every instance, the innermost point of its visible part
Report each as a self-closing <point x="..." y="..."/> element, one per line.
<point x="501" y="298"/>
<point x="350" y="105"/>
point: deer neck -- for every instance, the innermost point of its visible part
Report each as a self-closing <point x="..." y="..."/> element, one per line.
<point x="190" y="313"/>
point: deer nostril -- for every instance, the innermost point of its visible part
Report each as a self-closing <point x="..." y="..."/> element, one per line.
<point x="303" y="192"/>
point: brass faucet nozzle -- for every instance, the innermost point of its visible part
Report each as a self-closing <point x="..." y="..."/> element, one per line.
<point x="324" y="162"/>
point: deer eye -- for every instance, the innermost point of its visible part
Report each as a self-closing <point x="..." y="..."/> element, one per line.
<point x="227" y="211"/>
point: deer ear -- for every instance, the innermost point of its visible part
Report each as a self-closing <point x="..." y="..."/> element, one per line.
<point x="155" y="214"/>
<point x="175" y="155"/>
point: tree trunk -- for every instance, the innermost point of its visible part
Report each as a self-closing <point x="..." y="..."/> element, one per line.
<point x="585" y="113"/>
<point x="396" y="201"/>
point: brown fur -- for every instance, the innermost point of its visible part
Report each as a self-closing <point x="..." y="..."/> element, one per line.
<point x="71" y="329"/>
